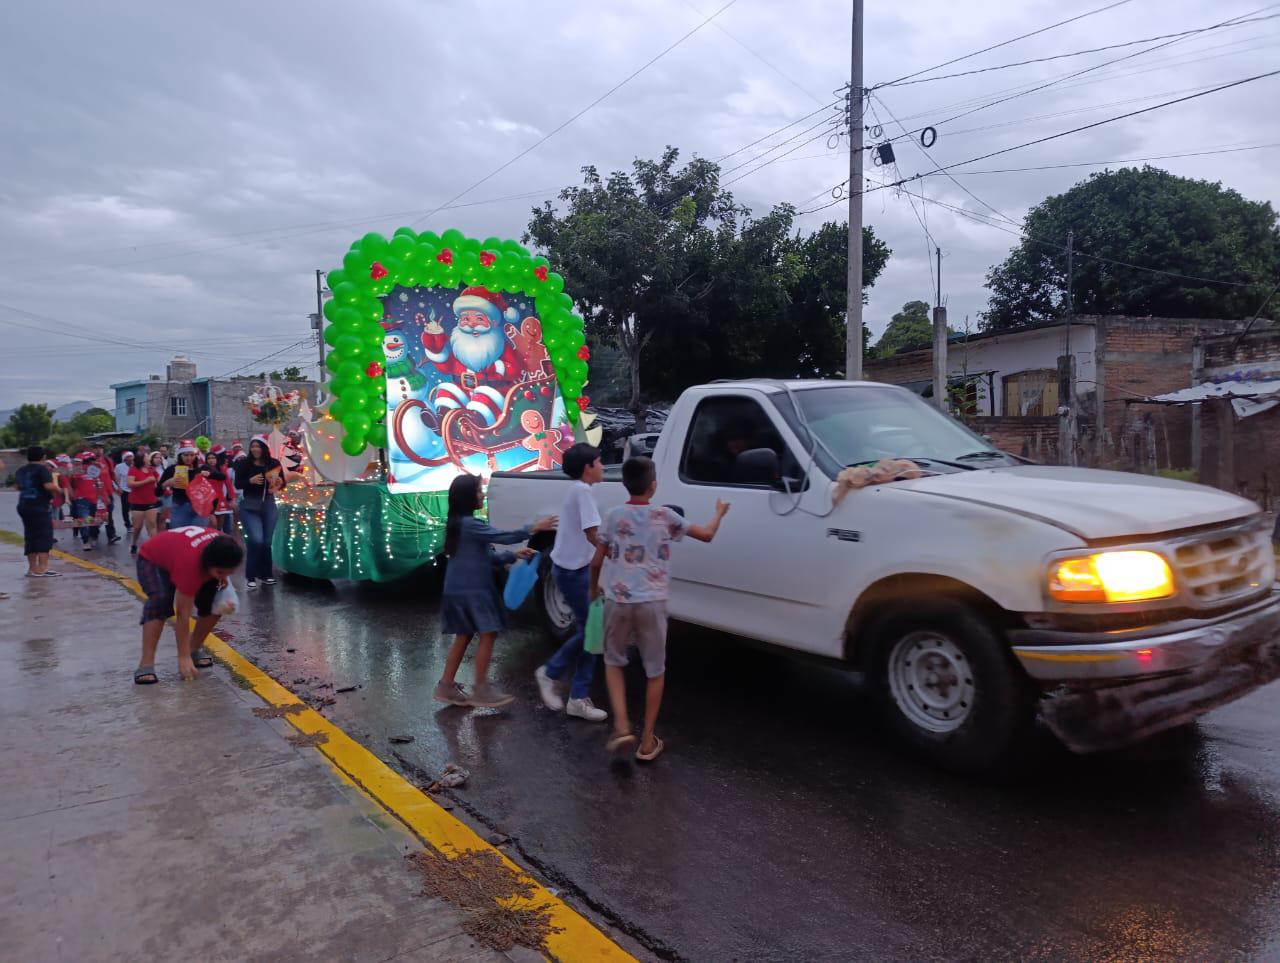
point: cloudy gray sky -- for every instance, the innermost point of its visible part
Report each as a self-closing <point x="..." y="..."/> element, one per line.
<point x="171" y="174"/>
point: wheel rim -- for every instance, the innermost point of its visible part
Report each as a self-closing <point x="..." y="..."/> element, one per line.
<point x="557" y="608"/>
<point x="931" y="681"/>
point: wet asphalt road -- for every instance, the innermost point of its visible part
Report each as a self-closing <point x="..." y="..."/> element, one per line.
<point x="781" y="823"/>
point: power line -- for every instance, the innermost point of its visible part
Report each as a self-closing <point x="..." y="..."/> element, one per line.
<point x="1077" y="73"/>
<point x="1004" y="43"/>
<point x="1061" y="56"/>
<point x="772" y="133"/>
<point x="546" y="137"/>
<point x="825" y="122"/>
<point x="760" y="57"/>
<point x="1076" y="130"/>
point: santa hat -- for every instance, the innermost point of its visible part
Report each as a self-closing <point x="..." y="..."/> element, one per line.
<point x="86" y="456"/>
<point x="216" y="450"/>
<point x="63" y="459"/>
<point x="490" y="302"/>
<point x="235" y="445"/>
<point x="187" y="447"/>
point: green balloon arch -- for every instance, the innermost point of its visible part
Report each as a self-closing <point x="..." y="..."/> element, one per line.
<point x="375" y="265"/>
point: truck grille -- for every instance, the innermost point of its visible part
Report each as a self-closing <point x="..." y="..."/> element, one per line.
<point x="1220" y="567"/>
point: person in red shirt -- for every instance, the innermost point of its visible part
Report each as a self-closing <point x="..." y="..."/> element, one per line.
<point x="144" y="498"/>
<point x="181" y="571"/>
<point x="108" y="488"/>
<point x="87" y="495"/>
<point x="223" y="518"/>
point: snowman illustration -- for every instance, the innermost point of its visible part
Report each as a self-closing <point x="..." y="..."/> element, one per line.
<point x="403" y="379"/>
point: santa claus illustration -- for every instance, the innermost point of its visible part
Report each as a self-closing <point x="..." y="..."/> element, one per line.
<point x="476" y="355"/>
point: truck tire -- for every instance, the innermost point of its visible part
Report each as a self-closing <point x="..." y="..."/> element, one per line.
<point x="557" y="617"/>
<point x="947" y="684"/>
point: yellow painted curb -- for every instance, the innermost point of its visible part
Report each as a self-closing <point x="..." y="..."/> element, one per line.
<point x="578" y="939"/>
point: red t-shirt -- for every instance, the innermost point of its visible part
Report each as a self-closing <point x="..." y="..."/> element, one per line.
<point x="144" y="494"/>
<point x="177" y="551"/>
<point x="82" y="486"/>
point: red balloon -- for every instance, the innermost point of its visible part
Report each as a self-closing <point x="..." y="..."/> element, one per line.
<point x="376" y="271"/>
<point x="540" y="273"/>
<point x="584" y="353"/>
<point x="487" y="258"/>
<point x="445" y="256"/>
<point x="583" y="401"/>
<point x="374" y="370"/>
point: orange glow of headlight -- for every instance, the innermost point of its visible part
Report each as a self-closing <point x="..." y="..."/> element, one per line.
<point x="1132" y="576"/>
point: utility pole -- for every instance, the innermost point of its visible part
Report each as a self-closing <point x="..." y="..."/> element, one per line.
<point x="939" y="343"/>
<point x="1067" y="405"/>
<point x="853" y="314"/>
<point x="318" y="322"/>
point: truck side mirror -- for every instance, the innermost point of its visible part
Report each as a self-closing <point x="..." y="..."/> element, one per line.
<point x="759" y="466"/>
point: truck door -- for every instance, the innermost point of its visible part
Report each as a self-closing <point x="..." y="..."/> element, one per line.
<point x="759" y="577"/>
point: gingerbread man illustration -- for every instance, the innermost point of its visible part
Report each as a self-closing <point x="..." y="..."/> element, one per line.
<point x="543" y="440"/>
<point x="528" y="344"/>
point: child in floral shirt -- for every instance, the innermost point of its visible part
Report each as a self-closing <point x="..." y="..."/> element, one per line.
<point x="632" y="565"/>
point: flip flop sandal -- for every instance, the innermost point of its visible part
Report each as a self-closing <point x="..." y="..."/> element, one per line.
<point x="658" y="746"/>
<point x="146" y="675"/>
<point x="201" y="659"/>
<point x="620" y="744"/>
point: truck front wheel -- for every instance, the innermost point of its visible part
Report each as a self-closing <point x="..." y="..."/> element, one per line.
<point x="948" y="685"/>
<point x="557" y="617"/>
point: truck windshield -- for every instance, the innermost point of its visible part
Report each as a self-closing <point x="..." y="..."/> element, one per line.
<point x="857" y="425"/>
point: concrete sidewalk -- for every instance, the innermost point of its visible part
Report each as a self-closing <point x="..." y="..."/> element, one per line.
<point x="168" y="822"/>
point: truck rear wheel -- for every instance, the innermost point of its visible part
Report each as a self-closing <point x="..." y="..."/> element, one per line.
<point x="557" y="617"/>
<point x="947" y="684"/>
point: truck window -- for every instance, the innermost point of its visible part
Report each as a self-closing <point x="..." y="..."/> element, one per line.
<point x="722" y="429"/>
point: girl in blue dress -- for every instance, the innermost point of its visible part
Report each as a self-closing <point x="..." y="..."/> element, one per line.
<point x="472" y="604"/>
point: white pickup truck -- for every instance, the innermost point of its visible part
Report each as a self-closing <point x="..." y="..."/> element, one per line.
<point x="974" y="598"/>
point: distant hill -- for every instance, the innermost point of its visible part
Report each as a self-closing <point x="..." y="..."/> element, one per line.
<point x="62" y="413"/>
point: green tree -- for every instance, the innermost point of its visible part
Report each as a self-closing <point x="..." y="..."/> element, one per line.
<point x="91" y="421"/>
<point x="29" y="425"/>
<point x="291" y="373"/>
<point x="685" y="283"/>
<point x="1148" y="218"/>
<point x="909" y="330"/>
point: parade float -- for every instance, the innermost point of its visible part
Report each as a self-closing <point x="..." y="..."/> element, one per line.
<point x="447" y="355"/>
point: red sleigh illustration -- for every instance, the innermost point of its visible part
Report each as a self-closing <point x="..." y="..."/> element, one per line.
<point x="525" y="422"/>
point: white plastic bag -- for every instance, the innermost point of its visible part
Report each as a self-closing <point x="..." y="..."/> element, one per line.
<point x="225" y="600"/>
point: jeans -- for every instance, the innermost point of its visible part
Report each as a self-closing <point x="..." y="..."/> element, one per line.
<point x="84" y="508"/>
<point x="111" y="521"/>
<point x="575" y="586"/>
<point x="259" y="521"/>
<point x="184" y="515"/>
<point x="124" y="511"/>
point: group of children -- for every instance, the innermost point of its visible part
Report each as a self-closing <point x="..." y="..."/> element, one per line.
<point x="626" y="559"/>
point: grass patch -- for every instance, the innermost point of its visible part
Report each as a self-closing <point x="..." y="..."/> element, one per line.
<point x="305" y="740"/>
<point x="10" y="538"/>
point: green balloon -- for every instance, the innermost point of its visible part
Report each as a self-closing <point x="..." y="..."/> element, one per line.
<point x="408" y="232"/>
<point x="578" y="370"/>
<point x="332" y="334"/>
<point x="471" y="245"/>
<point x="371" y="311"/>
<point x="537" y="261"/>
<point x="429" y="237"/>
<point x="554" y="283"/>
<point x="357" y="422"/>
<point x="353" y="445"/>
<point x="378" y="436"/>
<point x="550" y="341"/>
<point x="452" y="238"/>
<point x="347" y="344"/>
<point x="333" y="362"/>
<point x="331" y="309"/>
<point x="346" y="293"/>
<point x="374" y="246"/>
<point x="334" y="278"/>
<point x="355" y="263"/>
<point x="338" y="409"/>
<point x="402" y="246"/>
<point x="356" y="401"/>
<point x="492" y="244"/>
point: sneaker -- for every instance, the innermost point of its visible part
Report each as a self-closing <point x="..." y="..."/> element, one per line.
<point x="585" y="709"/>
<point x="268" y="581"/>
<point x="549" y="689"/>
<point x="453" y="695"/>
<point x="113" y="539"/>
<point x="88" y="546"/>
<point x="251" y="583"/>
<point x="50" y="574"/>
<point x="486" y="695"/>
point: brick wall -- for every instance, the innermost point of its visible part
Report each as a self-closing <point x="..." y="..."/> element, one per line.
<point x="902" y="368"/>
<point x="1035" y="438"/>
<point x="1140" y="357"/>
<point x="1256" y="439"/>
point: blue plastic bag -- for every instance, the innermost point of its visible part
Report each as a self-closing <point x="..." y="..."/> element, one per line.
<point x="520" y="580"/>
<point x="593" y="641"/>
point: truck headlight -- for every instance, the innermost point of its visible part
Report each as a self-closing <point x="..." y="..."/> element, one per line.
<point x="1133" y="576"/>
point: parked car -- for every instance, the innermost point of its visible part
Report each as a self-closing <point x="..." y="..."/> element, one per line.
<point x="975" y="598"/>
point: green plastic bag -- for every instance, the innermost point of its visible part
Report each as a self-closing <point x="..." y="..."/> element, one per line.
<point x="594" y="641"/>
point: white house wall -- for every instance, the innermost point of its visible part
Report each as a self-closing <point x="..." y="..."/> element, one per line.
<point x="1016" y="352"/>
